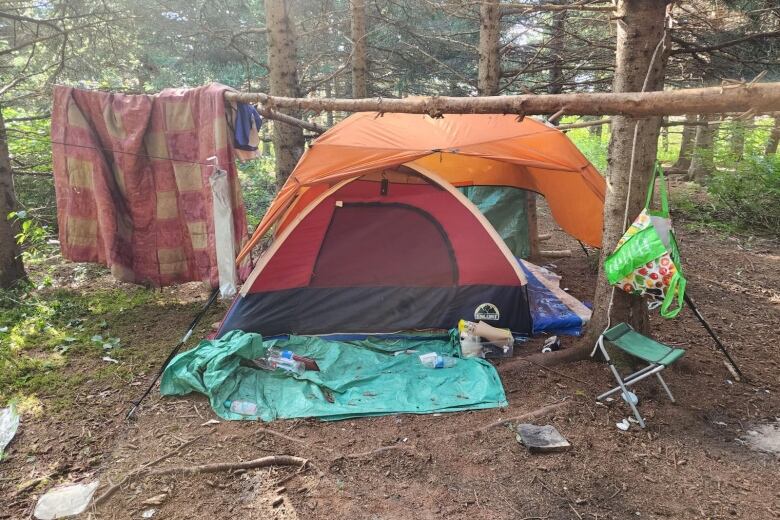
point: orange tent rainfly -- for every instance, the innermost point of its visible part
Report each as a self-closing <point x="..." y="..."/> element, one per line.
<point x="464" y="150"/>
<point x="371" y="234"/>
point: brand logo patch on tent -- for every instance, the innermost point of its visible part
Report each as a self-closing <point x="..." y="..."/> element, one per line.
<point x="486" y="311"/>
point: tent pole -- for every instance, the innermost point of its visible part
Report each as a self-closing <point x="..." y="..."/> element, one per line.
<point x="712" y="334"/>
<point x="175" y="350"/>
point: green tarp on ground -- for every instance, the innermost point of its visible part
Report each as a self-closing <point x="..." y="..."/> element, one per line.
<point x="357" y="378"/>
<point x="506" y="209"/>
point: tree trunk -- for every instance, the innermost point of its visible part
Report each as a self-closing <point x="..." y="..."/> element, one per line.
<point x="701" y="157"/>
<point x="11" y="266"/>
<point x="738" y="139"/>
<point x="596" y="130"/>
<point x="639" y="32"/>
<point x="686" y="145"/>
<point x="283" y="81"/>
<point x="359" y="55"/>
<point x="774" y="138"/>
<point x="329" y="87"/>
<point x="665" y="136"/>
<point x="557" y="47"/>
<point x="489" y="32"/>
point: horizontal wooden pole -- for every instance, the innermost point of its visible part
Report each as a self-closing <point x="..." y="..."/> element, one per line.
<point x="608" y="121"/>
<point x="759" y="97"/>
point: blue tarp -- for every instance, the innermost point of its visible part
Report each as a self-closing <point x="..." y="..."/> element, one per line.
<point x="553" y="310"/>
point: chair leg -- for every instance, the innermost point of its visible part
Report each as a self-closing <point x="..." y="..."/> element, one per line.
<point x="663" y="384"/>
<point x="625" y="391"/>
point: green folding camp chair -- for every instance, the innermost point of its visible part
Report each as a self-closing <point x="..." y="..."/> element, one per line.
<point x="660" y="356"/>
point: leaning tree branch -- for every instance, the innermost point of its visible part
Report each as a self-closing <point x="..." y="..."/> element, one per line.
<point x="689" y="48"/>
<point x="759" y="97"/>
<point x="290" y="120"/>
<point x="608" y="121"/>
<point x="507" y="8"/>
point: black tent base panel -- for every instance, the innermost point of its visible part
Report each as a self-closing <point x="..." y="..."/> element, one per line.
<point x="325" y="310"/>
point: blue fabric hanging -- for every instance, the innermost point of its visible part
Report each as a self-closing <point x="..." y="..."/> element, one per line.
<point x="246" y="117"/>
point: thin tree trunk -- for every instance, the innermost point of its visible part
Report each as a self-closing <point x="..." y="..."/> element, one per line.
<point x="701" y="158"/>
<point x="359" y="54"/>
<point x="596" y="130"/>
<point x="329" y="87"/>
<point x="489" y="68"/>
<point x="686" y="145"/>
<point x="283" y="81"/>
<point x="738" y="139"/>
<point x="774" y="138"/>
<point x="11" y="266"/>
<point x="639" y="32"/>
<point x="665" y="136"/>
<point x="557" y="47"/>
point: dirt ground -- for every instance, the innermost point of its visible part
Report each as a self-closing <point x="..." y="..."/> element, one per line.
<point x="690" y="462"/>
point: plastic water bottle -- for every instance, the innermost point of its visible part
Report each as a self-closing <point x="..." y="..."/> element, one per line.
<point x="434" y="360"/>
<point x="277" y="352"/>
<point x="242" y="407"/>
<point x="274" y="361"/>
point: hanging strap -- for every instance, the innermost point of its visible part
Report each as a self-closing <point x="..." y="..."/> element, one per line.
<point x="676" y="289"/>
<point x="658" y="174"/>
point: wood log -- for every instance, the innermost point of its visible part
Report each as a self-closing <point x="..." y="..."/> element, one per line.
<point x="563" y="253"/>
<point x="760" y="97"/>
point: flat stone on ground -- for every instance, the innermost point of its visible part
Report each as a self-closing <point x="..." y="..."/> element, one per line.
<point x="541" y="438"/>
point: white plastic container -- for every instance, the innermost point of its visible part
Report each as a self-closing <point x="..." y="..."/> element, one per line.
<point x="242" y="407"/>
<point x="434" y="360"/>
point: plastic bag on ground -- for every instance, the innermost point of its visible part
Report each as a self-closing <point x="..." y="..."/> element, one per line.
<point x="64" y="501"/>
<point x="9" y="423"/>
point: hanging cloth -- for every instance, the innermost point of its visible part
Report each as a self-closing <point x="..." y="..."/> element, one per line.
<point x="246" y="128"/>
<point x="646" y="261"/>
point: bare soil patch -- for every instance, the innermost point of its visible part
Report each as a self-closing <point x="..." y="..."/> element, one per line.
<point x="688" y="463"/>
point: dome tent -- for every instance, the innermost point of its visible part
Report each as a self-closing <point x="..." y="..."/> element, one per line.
<point x="371" y="234"/>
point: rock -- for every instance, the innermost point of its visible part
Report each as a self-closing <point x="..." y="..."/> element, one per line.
<point x="541" y="438"/>
<point x="155" y="500"/>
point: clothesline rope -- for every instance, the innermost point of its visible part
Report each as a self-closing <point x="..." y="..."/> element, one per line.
<point x="48" y="140"/>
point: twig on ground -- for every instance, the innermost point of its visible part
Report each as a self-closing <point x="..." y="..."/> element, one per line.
<point x="113" y="489"/>
<point x="217" y="467"/>
<point x="275" y="460"/>
<point x="285" y="437"/>
<point x="291" y="476"/>
<point x="575" y="511"/>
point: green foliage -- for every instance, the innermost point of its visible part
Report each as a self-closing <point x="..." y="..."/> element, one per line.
<point x="749" y="196"/>
<point x="592" y="146"/>
<point x="258" y="186"/>
<point x="42" y="329"/>
<point x="32" y="236"/>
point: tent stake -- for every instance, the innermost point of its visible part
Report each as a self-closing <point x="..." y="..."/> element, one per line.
<point x="175" y="350"/>
<point x="712" y="333"/>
